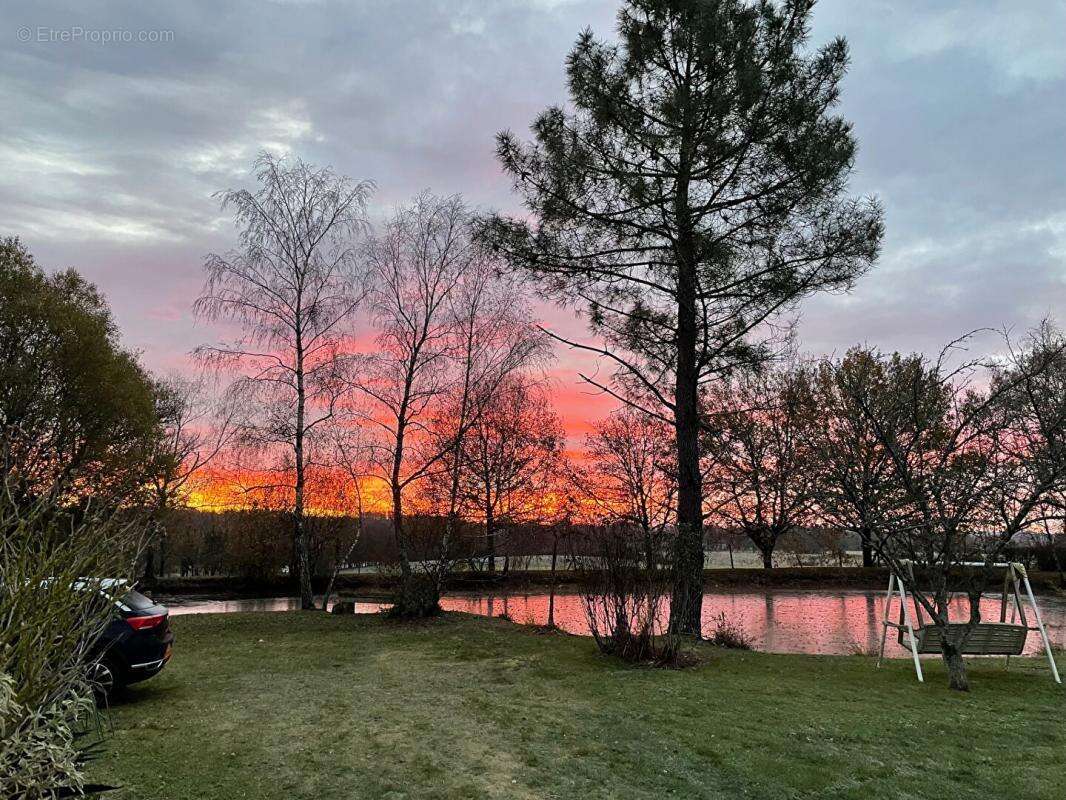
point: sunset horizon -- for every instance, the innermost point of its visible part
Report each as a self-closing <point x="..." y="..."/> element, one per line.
<point x="533" y="399"/>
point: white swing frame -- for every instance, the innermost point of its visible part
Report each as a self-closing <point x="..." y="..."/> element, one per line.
<point x="1015" y="578"/>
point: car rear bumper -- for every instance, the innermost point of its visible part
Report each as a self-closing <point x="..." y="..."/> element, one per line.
<point x="145" y="670"/>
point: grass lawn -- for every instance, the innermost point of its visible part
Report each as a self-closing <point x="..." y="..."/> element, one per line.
<point x="305" y="705"/>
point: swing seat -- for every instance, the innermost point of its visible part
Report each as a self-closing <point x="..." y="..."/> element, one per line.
<point x="986" y="639"/>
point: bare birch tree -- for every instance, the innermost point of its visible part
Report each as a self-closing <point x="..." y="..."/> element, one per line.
<point x="447" y="336"/>
<point x="292" y="287"/>
<point x="496" y="344"/>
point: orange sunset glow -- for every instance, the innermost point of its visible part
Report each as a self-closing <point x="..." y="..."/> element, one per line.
<point x="328" y="492"/>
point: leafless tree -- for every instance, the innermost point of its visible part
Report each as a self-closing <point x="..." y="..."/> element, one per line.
<point x="954" y="450"/>
<point x="626" y="603"/>
<point x="562" y="530"/>
<point x="759" y="450"/>
<point x="1031" y="388"/>
<point x="632" y="478"/>
<point x="292" y="288"/>
<point x="496" y="345"/>
<point x="448" y="334"/>
<point x="351" y="458"/>
<point x="856" y="483"/>
<point x="195" y="429"/>
<point x="1052" y="531"/>
<point x="509" y="457"/>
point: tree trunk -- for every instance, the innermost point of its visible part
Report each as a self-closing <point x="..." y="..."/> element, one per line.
<point x="767" y="556"/>
<point x="490" y="537"/>
<point x="162" y="571"/>
<point x="1058" y="565"/>
<point x="867" y="548"/>
<point x="651" y="560"/>
<point x="307" y="597"/>
<point x="418" y="594"/>
<point x="687" y="596"/>
<point x="398" y="533"/>
<point x="957" y="678"/>
<point x="551" y="590"/>
<point x="149" y="564"/>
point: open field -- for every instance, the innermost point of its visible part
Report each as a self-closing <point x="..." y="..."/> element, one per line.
<point x="712" y="559"/>
<point x="304" y="705"/>
<point x="376" y="584"/>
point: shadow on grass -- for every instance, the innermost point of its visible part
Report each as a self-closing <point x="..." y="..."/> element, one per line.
<point x="139" y="693"/>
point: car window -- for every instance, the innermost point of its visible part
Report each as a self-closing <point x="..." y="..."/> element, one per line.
<point x="135" y="601"/>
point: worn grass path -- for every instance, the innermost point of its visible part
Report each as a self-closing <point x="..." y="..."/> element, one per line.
<point x="304" y="705"/>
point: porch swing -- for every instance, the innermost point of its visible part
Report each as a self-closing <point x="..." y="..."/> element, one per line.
<point x="986" y="639"/>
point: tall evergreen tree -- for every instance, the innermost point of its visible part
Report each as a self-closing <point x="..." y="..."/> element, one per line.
<point x="695" y="188"/>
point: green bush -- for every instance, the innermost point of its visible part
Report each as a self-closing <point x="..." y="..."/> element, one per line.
<point x="52" y="560"/>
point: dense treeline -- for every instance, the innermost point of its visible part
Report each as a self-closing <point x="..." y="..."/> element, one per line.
<point x="256" y="545"/>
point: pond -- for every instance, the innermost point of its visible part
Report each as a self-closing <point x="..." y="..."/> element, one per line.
<point x="832" y="622"/>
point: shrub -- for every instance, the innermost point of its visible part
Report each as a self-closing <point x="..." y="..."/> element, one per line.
<point x="728" y="634"/>
<point x="51" y="613"/>
<point x="626" y="597"/>
<point x="416" y="597"/>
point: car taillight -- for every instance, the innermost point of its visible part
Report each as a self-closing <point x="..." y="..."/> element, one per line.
<point x="144" y="623"/>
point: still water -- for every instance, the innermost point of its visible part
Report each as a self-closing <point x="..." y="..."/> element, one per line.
<point x="829" y="622"/>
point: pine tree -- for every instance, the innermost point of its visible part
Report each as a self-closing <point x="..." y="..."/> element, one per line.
<point x="694" y="189"/>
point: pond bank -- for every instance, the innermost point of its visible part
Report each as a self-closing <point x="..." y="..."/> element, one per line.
<point x="378" y="585"/>
<point x="813" y="621"/>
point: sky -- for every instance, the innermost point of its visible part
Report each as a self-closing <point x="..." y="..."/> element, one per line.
<point x="121" y="119"/>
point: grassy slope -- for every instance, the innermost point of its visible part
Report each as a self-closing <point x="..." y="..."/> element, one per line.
<point x="303" y="705"/>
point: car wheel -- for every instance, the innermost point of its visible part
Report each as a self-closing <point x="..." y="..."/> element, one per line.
<point x="105" y="680"/>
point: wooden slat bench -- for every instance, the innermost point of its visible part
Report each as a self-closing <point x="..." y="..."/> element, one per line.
<point x="986" y="639"/>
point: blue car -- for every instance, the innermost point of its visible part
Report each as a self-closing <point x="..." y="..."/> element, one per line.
<point x="136" y="644"/>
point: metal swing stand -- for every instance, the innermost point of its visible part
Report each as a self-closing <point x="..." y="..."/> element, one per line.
<point x="987" y="638"/>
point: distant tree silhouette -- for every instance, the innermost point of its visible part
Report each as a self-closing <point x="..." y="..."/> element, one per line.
<point x="759" y="446"/>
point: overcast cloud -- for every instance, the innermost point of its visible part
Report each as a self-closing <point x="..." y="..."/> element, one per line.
<point x="110" y="151"/>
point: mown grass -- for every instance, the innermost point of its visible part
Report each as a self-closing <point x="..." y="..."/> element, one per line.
<point x="304" y="705"/>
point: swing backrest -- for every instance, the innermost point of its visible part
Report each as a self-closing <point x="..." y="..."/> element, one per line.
<point x="986" y="639"/>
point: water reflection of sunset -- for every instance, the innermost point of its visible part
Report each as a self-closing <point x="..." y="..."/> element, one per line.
<point x="811" y="622"/>
<point x="838" y="623"/>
